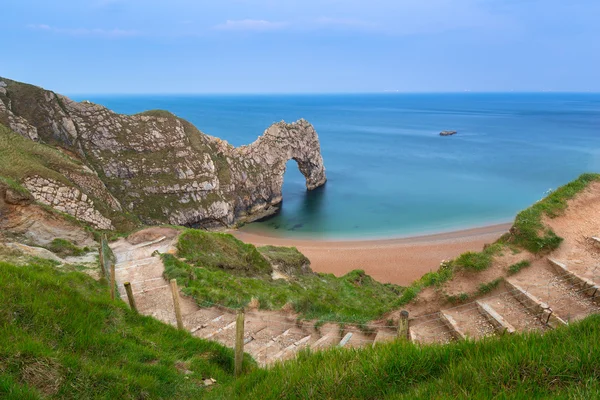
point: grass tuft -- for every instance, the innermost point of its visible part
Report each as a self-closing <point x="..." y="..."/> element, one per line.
<point x="513" y="269"/>
<point x="478" y="261"/>
<point x="486" y="288"/>
<point x="65" y="248"/>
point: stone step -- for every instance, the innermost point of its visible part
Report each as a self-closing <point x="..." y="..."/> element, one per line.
<point x="135" y="263"/>
<point x="514" y="313"/>
<point x="452" y="325"/>
<point x="263" y="351"/>
<point x="538" y="307"/>
<point x="501" y="325"/>
<point x="292" y="349"/>
<point x="217" y="325"/>
<point x="558" y="290"/>
<point x="585" y="286"/>
<point x="430" y="330"/>
<point x="149" y="243"/>
<point x="325" y="341"/>
<point x="470" y="323"/>
<point x="201" y="318"/>
<point x="384" y="336"/>
<point x="225" y="328"/>
<point x="345" y="339"/>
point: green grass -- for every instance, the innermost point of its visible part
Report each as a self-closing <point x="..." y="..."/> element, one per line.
<point x="289" y="259"/>
<point x="353" y="298"/>
<point x="486" y="288"/>
<point x="478" y="261"/>
<point x="513" y="269"/>
<point x="158" y="114"/>
<point x="62" y="336"/>
<point x="20" y="158"/>
<point x="64" y="248"/>
<point x="457" y="298"/>
<point x="223" y="251"/>
<point x="560" y="364"/>
<point x="529" y="231"/>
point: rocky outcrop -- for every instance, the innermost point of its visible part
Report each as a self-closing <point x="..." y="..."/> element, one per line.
<point x="21" y="219"/>
<point x="448" y="133"/>
<point x="160" y="167"/>
<point x="66" y="199"/>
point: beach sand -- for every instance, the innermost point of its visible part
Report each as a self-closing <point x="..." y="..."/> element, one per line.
<point x="399" y="261"/>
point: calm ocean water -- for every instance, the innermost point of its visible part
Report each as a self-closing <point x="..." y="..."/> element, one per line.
<point x="390" y="173"/>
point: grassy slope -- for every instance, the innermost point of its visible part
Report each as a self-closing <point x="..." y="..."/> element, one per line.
<point x="222" y="251"/>
<point x="528" y="232"/>
<point x="559" y="364"/>
<point x="60" y="334"/>
<point x="20" y="158"/>
<point x="218" y="269"/>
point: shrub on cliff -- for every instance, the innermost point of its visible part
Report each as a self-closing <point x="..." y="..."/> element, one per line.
<point x="223" y="251"/>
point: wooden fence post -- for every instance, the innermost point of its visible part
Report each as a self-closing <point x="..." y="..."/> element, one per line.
<point x="175" y="292"/>
<point x="239" y="342"/>
<point x="130" y="296"/>
<point x="403" y="325"/>
<point x="112" y="280"/>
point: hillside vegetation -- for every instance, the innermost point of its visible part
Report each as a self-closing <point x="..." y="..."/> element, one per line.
<point x="218" y="268"/>
<point x="21" y="158"/>
<point x="527" y="233"/>
<point x="62" y="337"/>
<point x="561" y="364"/>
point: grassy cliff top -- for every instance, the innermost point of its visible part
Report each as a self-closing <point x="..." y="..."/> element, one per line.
<point x="218" y="268"/>
<point x="62" y="337"/>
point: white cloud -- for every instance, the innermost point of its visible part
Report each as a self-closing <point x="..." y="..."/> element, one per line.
<point x="251" y="25"/>
<point x="111" y="33"/>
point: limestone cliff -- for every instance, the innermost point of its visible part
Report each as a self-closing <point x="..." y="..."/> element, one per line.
<point x="160" y="167"/>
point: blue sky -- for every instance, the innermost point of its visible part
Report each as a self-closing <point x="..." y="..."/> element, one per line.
<point x="293" y="46"/>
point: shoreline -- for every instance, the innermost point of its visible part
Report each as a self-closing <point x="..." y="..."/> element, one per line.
<point x="400" y="261"/>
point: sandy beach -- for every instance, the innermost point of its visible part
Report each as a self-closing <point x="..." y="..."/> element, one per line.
<point x="399" y="261"/>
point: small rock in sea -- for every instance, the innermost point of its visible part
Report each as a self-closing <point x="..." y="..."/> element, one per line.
<point x="448" y="133"/>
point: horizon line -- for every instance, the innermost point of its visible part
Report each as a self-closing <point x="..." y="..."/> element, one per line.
<point x="322" y="93"/>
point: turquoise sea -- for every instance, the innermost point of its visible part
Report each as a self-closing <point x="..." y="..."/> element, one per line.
<point x="390" y="173"/>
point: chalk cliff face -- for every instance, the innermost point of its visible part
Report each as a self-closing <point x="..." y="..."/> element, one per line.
<point x="160" y="167"/>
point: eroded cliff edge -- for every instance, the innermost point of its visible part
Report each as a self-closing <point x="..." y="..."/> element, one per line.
<point x="160" y="167"/>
